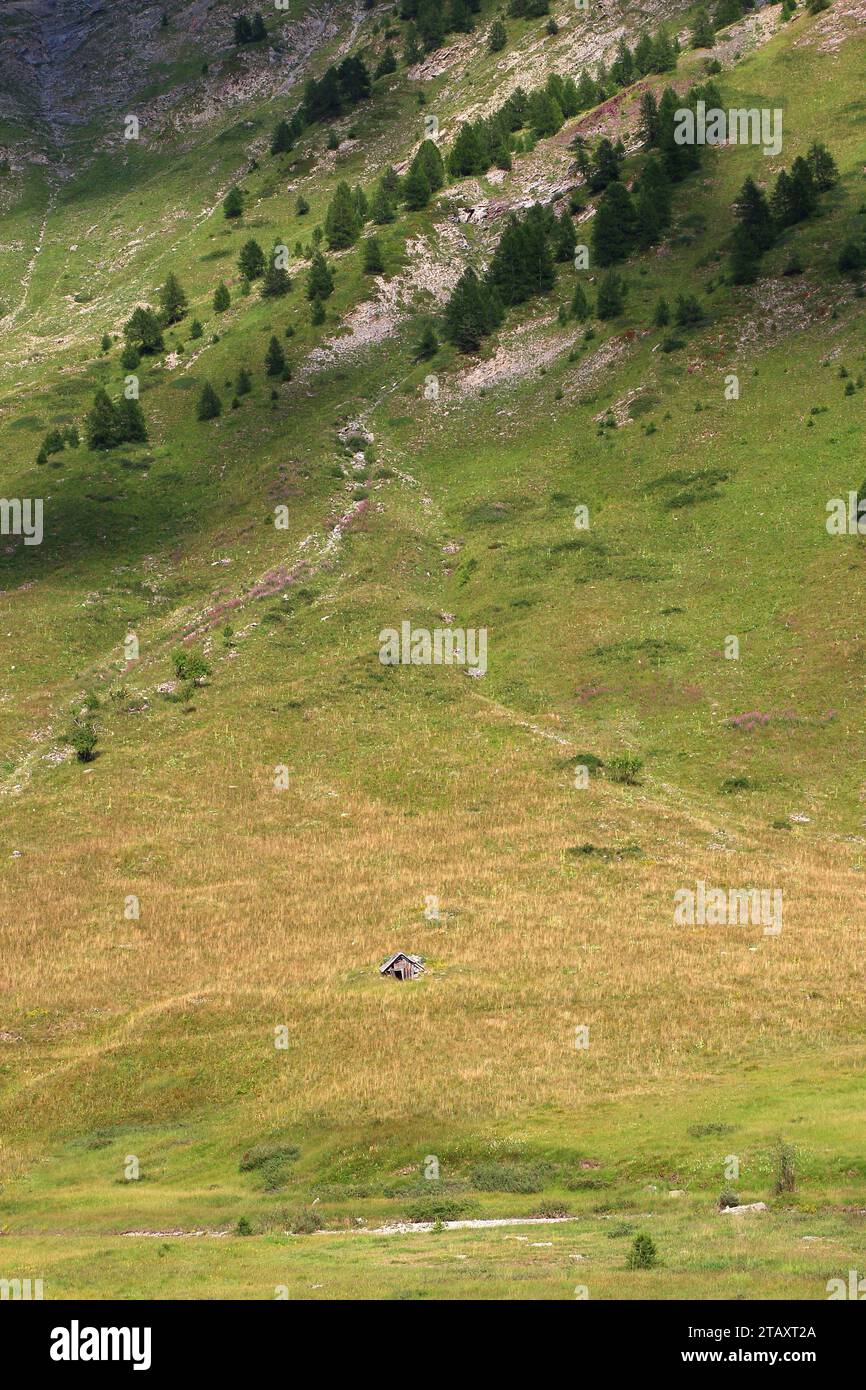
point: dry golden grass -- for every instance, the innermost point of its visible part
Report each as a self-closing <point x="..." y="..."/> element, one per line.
<point x="261" y="908"/>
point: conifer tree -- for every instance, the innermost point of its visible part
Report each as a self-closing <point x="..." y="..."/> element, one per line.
<point x="662" y="314"/>
<point x="387" y="64"/>
<point x="498" y="37"/>
<point x="282" y="140"/>
<point x="209" y="404"/>
<point x="381" y="206"/>
<point x="143" y="331"/>
<point x="564" y="239"/>
<point x="580" y="305"/>
<point x="472" y="312"/>
<point x="415" y="188"/>
<point x="430" y="160"/>
<point x="614" y="227"/>
<point x="172" y="300"/>
<point x="604" y="166"/>
<point x="101" y="426"/>
<point x="277" y="280"/>
<point x="320" y="281"/>
<point x="822" y="166"/>
<point x="373" y="262"/>
<point x="221" y="298"/>
<point x="611" y="296"/>
<point x="342" y="224"/>
<point x="243" y="382"/>
<point x="275" y="358"/>
<point x="233" y="204"/>
<point x="251" y="260"/>
<point x="362" y="206"/>
<point x="427" y="345"/>
<point x="753" y="213"/>
<point x="703" y="35"/>
<point x="649" y="120"/>
<point x="130" y="422"/>
<point x="745" y="257"/>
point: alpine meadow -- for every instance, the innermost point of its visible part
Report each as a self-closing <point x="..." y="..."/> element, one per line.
<point x="432" y="685"/>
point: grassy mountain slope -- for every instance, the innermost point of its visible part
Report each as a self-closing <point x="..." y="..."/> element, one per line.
<point x="263" y="908"/>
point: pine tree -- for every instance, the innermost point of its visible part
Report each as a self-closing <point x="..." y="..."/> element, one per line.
<point x="373" y="262"/>
<point x="430" y="160"/>
<point x="243" y="383"/>
<point x="130" y="358"/>
<point x="415" y="188"/>
<point x="664" y="53"/>
<point x="412" y="50"/>
<point x="587" y="92"/>
<point x="282" y="140"/>
<point x="614" y="227"/>
<point x="130" y="422"/>
<point x="209" y="404"/>
<point x="195" y="329"/>
<point x="243" y="29"/>
<point x="257" y="28"/>
<point x="275" y="358"/>
<point x="320" y="281"/>
<point x="745" y="257"/>
<point x="652" y="203"/>
<point x="233" y="204"/>
<point x="581" y="308"/>
<point x="753" y="213"/>
<point x="565" y="238"/>
<point x="342" y="225"/>
<point x="173" y="300"/>
<point x="277" y="280"/>
<point x="143" y="331"/>
<point x="221" y="298"/>
<point x="362" y="207"/>
<point x="727" y="12"/>
<point x="803" y="199"/>
<point x="472" y="312"/>
<point x="381" y="207"/>
<point x="387" y="64"/>
<point x="498" y="37"/>
<point x="522" y="264"/>
<point x="101" y="426"/>
<point x="251" y="260"/>
<point x="468" y="153"/>
<point x="703" y="35"/>
<point x="822" y="166"/>
<point x="604" y="166"/>
<point x="427" y="345"/>
<point x="662" y="315"/>
<point x="544" y="116"/>
<point x="649" y="120"/>
<point x="644" y="54"/>
<point x="611" y="296"/>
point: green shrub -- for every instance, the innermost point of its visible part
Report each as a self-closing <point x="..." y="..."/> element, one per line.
<point x="190" y="666"/>
<point x="305" y="1221"/>
<point x="434" y="1207"/>
<point x="643" y="1253"/>
<point x="506" y="1177"/>
<point x="624" y="768"/>
<point x="83" y="739"/>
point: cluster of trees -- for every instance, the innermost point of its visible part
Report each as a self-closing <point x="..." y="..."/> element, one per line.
<point x="339" y="90"/>
<point x="523" y="265"/>
<point x="429" y="21"/>
<point x="210" y="405"/>
<point x="56" y="441"/>
<point x="760" y="220"/>
<point x="253" y="265"/>
<point x="109" y="424"/>
<point x="249" y="30"/>
<point x="543" y="111"/>
<point x="628" y="220"/>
